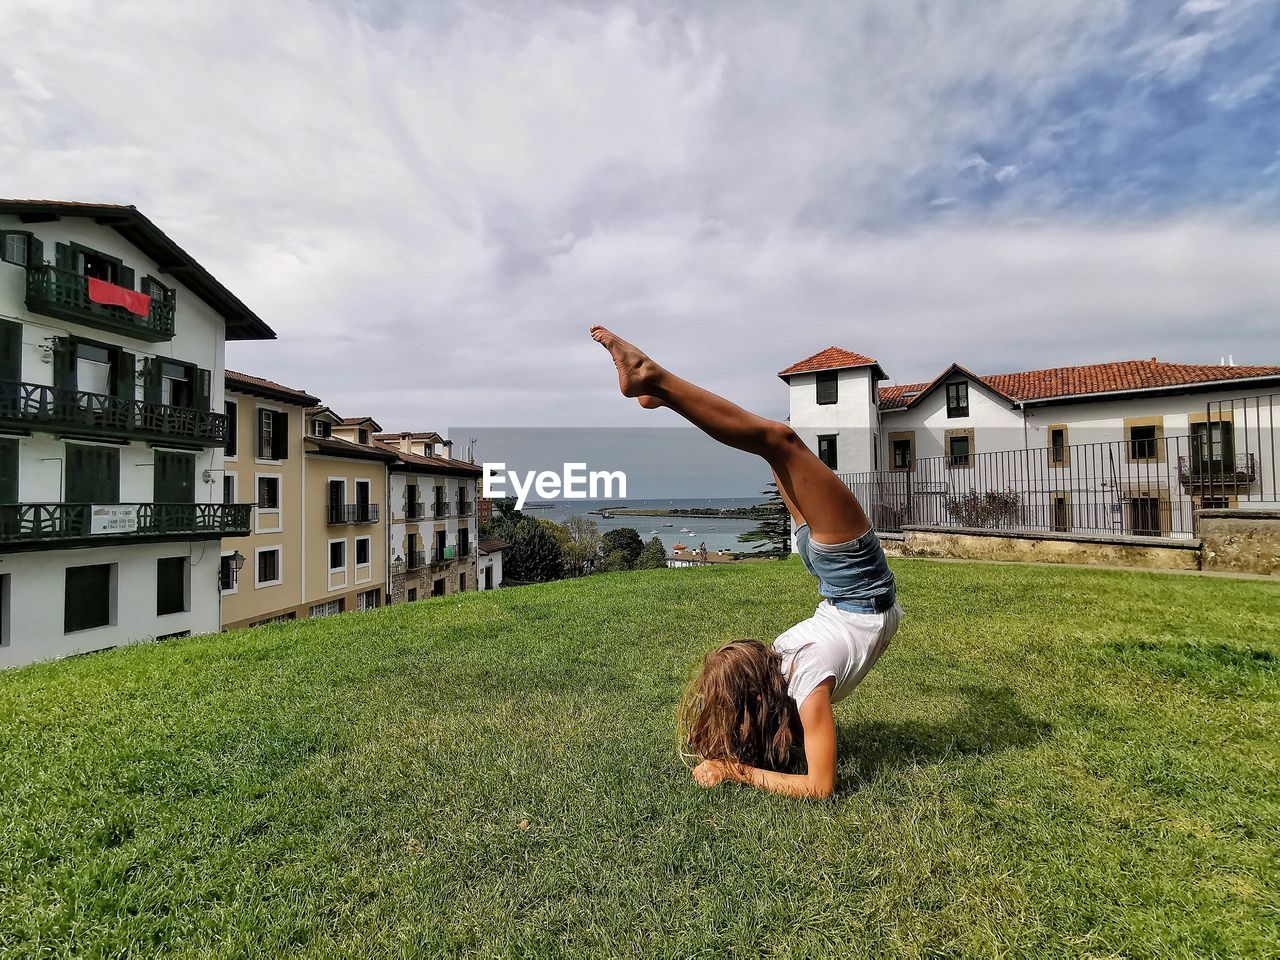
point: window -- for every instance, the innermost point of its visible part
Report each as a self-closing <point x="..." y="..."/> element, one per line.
<point x="369" y="600"/>
<point x="1061" y="513"/>
<point x="233" y="427"/>
<point x="89" y="597"/>
<point x="827" y="450"/>
<point x="437" y="588"/>
<point x="177" y="388"/>
<point x="1142" y="442"/>
<point x="175" y="477"/>
<point x="337" y="554"/>
<point x="958" y="399"/>
<point x="273" y="435"/>
<point x="462" y="583"/>
<point x="16" y="249"/>
<point x="93" y="474"/>
<point x="93" y="369"/>
<point x="156" y="290"/>
<point x="171" y="585"/>
<point x="100" y="266"/>
<point x="1212" y="448"/>
<point x="412" y="594"/>
<point x="328" y="609"/>
<point x="362" y="551"/>
<point x="269" y="493"/>
<point x="959" y="449"/>
<point x="828" y="387"/>
<point x="412" y="507"/>
<point x="226" y="575"/>
<point x="902" y="456"/>
<point x="4" y="609"/>
<point x="269" y="567"/>
<point x="228" y="488"/>
<point x="321" y="428"/>
<point x="362" y="435"/>
<point x="364" y="513"/>
<point x="1059" y="455"/>
<point x="278" y="618"/>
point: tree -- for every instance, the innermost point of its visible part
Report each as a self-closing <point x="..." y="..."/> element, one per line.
<point x="653" y="557"/>
<point x="501" y="523"/>
<point x="615" y="561"/>
<point x="581" y="546"/>
<point x="774" y="533"/>
<point x="535" y="555"/>
<point x="624" y="540"/>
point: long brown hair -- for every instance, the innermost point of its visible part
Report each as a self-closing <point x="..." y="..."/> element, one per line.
<point x="737" y="708"/>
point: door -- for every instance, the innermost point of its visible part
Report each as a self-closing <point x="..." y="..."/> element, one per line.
<point x="10" y="351"/>
<point x="1212" y="449"/>
<point x="1144" y="516"/>
<point x="362" y="501"/>
<point x="174" y="493"/>
<point x="93" y="476"/>
<point x="337" y="492"/>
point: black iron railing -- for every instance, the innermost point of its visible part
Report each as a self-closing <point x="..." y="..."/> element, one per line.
<point x="71" y="523"/>
<point x="440" y="509"/>
<point x="465" y="508"/>
<point x="32" y="405"/>
<point x="353" y="513"/>
<point x="441" y="556"/>
<point x="417" y="560"/>
<point x="415" y="511"/>
<point x="463" y="551"/>
<point x="64" y="294"/>
<point x="1197" y="471"/>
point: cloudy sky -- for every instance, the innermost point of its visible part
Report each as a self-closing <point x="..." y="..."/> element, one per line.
<point x="430" y="202"/>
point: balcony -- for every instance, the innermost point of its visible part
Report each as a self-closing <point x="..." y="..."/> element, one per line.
<point x="463" y="551"/>
<point x="465" y="509"/>
<point x="64" y="295"/>
<point x="440" y="510"/>
<point x="43" y="526"/>
<point x="33" y="406"/>
<point x="415" y="511"/>
<point x="1201" y="473"/>
<point x="442" y="556"/>
<point x="340" y="513"/>
<point x="417" y="560"/>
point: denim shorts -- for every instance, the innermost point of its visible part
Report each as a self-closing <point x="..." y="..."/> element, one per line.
<point x="853" y="575"/>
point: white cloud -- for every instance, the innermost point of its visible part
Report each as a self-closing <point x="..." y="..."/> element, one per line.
<point x="431" y="204"/>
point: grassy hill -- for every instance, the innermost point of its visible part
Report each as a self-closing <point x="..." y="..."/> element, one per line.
<point x="1048" y="762"/>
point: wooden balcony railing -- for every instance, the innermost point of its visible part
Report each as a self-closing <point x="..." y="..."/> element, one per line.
<point x="48" y="525"/>
<point x="33" y="405"/>
<point x="64" y="294"/>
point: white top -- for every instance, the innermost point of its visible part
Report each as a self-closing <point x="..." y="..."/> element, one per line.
<point x="834" y="643"/>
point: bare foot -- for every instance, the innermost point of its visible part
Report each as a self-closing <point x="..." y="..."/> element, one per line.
<point x="637" y="374"/>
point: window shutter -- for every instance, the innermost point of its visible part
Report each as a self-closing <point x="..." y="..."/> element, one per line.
<point x="280" y="437"/>
<point x="35" y="251"/>
<point x="203" y="401"/>
<point x="8" y="471"/>
<point x="124" y="388"/>
<point x="10" y="350"/>
<point x="126" y="276"/>
<point x="64" y="363"/>
<point x="828" y="387"/>
<point x="64" y="258"/>
<point x="153" y="383"/>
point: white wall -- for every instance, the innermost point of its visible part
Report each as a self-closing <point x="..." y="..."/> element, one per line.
<point x="492" y="561"/>
<point x="852" y="418"/>
<point x="995" y="426"/>
<point x="37" y="586"/>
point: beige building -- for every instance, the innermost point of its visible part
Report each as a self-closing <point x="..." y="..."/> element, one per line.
<point x="318" y="542"/>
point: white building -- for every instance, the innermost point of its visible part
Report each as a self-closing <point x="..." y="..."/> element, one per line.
<point x="433" y="532"/>
<point x="111" y="431"/>
<point x="489" y="572"/>
<point x="1129" y="448"/>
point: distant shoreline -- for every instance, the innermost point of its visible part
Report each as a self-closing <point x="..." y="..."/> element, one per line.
<point x="704" y="513"/>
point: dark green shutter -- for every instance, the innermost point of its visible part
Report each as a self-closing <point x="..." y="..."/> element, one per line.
<point x="175" y="477"/>
<point x="10" y="350"/>
<point x="64" y="363"/>
<point x="828" y="388"/>
<point x="124" y="375"/>
<point x="203" y="400"/>
<point x="35" y="252"/>
<point x="126" y="276"/>
<point x="87" y="597"/>
<point x="93" y="474"/>
<point x="171" y="585"/>
<point x="280" y="437"/>
<point x="64" y="257"/>
<point x="8" y="471"/>
<point x="154" y="381"/>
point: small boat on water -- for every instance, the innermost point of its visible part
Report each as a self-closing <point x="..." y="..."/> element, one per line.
<point x="652" y="532"/>
<point x="685" y="530"/>
<point x="668" y="524"/>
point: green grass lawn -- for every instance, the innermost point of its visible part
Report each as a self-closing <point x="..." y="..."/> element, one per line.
<point x="1048" y="762"/>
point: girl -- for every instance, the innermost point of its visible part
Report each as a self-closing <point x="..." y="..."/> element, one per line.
<point x="754" y="710"/>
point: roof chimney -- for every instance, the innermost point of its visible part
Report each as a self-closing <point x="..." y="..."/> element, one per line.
<point x="1231" y="360"/>
<point x="406" y="443"/>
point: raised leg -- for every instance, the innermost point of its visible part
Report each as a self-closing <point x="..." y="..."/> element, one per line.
<point x="812" y="492"/>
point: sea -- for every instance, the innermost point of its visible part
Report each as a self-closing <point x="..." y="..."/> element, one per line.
<point x="718" y="533"/>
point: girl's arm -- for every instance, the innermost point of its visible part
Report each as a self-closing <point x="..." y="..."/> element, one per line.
<point x="819" y="750"/>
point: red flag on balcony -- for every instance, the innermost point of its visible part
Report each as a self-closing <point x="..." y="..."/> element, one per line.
<point x="109" y="293"/>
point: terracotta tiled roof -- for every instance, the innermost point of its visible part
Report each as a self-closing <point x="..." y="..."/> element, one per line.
<point x="335" y="446"/>
<point x="357" y="421"/>
<point x="429" y="464"/>
<point x="832" y="358"/>
<point x="1118" y="377"/>
<point x="493" y="546"/>
<point x="251" y="384"/>
<point x="428" y="435"/>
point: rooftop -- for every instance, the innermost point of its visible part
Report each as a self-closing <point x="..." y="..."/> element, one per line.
<point x="832" y="358"/>
<point x="247" y="383"/>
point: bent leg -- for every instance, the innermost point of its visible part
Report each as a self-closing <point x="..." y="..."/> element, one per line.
<point x="812" y="492"/>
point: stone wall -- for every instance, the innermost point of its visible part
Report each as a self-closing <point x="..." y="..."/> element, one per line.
<point x="977" y="544"/>
<point x="1240" y="541"/>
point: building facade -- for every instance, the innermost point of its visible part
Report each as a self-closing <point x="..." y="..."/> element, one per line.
<point x="1131" y="448"/>
<point x="433" y="527"/>
<point x="111" y="431"/>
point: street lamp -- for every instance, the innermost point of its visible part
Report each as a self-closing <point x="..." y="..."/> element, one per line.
<point x="235" y="563"/>
<point x="397" y="566"/>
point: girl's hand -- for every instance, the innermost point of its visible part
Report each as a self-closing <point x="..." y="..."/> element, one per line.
<point x="712" y="773"/>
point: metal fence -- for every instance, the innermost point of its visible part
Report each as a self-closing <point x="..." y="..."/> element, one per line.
<point x="1146" y="485"/>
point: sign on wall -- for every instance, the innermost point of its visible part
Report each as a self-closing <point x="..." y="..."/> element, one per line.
<point x="113" y="518"/>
